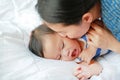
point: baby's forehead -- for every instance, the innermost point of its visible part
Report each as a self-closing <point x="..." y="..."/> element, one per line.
<point x="50" y="35"/>
<point x="51" y="44"/>
<point x="50" y="54"/>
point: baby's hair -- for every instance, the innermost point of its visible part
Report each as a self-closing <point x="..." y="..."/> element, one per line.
<point x="36" y="39"/>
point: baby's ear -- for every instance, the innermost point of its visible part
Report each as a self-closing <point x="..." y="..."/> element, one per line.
<point x="87" y="17"/>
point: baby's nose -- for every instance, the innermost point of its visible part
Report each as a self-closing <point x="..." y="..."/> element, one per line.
<point x="65" y="52"/>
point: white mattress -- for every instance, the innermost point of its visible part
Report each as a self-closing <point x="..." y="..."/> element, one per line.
<point x="17" y="19"/>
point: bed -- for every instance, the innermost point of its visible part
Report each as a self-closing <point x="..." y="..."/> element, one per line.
<point x="17" y="19"/>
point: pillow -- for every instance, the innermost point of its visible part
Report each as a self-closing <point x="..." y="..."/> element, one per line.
<point x="16" y="61"/>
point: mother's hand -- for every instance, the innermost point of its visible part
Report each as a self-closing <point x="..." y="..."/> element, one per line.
<point x="101" y="37"/>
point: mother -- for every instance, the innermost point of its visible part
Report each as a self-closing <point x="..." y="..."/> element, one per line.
<point x="72" y="18"/>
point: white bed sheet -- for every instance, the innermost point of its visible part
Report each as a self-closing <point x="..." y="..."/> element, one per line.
<point x="17" y="19"/>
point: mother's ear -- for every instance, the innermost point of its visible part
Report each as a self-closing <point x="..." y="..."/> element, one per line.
<point x="87" y="17"/>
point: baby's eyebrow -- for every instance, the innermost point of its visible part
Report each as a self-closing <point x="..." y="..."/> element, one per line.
<point x="58" y="51"/>
<point x="59" y="45"/>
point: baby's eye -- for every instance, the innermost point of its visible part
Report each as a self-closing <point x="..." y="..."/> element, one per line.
<point x="63" y="45"/>
<point x="59" y="57"/>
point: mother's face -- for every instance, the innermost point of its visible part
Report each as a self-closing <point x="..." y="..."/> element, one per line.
<point x="70" y="31"/>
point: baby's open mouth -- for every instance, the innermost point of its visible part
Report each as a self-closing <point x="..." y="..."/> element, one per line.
<point x="74" y="53"/>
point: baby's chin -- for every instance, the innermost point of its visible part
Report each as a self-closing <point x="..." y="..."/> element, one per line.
<point x="74" y="58"/>
<point x="70" y="59"/>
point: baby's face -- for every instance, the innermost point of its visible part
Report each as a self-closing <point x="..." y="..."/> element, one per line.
<point x="60" y="48"/>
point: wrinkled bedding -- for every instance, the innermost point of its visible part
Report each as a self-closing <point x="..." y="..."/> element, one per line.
<point x="17" y="19"/>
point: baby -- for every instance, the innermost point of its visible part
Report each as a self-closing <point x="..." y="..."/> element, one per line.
<point x="46" y="43"/>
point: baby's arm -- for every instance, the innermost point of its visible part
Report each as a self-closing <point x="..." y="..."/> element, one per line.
<point x="84" y="70"/>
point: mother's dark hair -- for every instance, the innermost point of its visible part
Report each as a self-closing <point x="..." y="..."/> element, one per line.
<point x="64" y="11"/>
<point x="36" y="39"/>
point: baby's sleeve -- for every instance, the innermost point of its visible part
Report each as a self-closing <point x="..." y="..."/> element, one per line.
<point x="100" y="52"/>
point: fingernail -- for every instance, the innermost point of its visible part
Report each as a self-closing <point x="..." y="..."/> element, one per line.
<point x="79" y="68"/>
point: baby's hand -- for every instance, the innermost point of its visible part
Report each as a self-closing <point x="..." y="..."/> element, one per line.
<point x="87" y="54"/>
<point x="85" y="71"/>
<point x="81" y="72"/>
